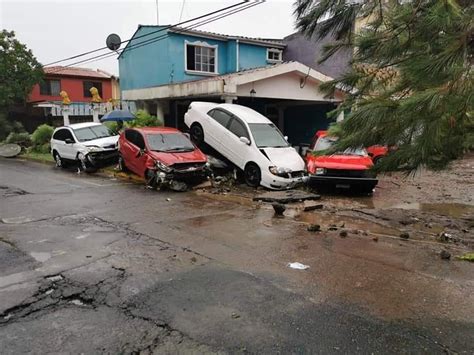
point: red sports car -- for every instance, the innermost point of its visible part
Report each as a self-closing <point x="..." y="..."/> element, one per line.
<point x="348" y="169"/>
<point x="161" y="155"/>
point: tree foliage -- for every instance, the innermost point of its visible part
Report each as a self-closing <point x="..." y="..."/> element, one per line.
<point x="19" y="71"/>
<point x="411" y="83"/>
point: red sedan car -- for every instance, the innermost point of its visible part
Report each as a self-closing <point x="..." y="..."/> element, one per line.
<point x="348" y="170"/>
<point x="161" y="155"/>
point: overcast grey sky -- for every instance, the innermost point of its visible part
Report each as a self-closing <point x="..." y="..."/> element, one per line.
<point x="58" y="29"/>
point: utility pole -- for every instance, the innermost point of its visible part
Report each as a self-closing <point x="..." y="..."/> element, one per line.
<point x="157" y="14"/>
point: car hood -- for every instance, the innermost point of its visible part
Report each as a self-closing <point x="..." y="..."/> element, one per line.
<point x="106" y="142"/>
<point x="170" y="158"/>
<point x="286" y="157"/>
<point x="340" y="161"/>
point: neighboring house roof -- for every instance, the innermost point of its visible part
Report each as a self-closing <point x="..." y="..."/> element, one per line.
<point x="227" y="84"/>
<point x="75" y="71"/>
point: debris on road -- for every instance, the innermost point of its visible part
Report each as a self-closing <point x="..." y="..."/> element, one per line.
<point x="332" y="227"/>
<point x="343" y="233"/>
<point x="445" y="255"/>
<point x="298" y="266"/>
<point x="235" y="315"/>
<point x="447" y="238"/>
<point x="279" y="208"/>
<point x="467" y="257"/>
<point x="309" y="205"/>
<point x="404" y="235"/>
<point x="314" y="228"/>
<point x="178" y="186"/>
<point x="287" y="196"/>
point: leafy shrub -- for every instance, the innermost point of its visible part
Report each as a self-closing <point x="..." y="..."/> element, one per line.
<point x="144" y="119"/>
<point x="42" y="135"/>
<point x="112" y="126"/>
<point x="22" y="139"/>
<point x="5" y="127"/>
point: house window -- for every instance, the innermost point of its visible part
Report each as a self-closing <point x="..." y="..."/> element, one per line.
<point x="86" y="85"/>
<point x="273" y="55"/>
<point x="201" y="58"/>
<point x="50" y="87"/>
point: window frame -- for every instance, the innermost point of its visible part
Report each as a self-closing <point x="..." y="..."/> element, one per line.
<point x="205" y="45"/>
<point x="49" y="88"/>
<point x="274" y="50"/>
<point x="87" y="93"/>
<point x="223" y="111"/>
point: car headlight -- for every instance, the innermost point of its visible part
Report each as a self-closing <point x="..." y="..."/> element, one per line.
<point x="320" y="171"/>
<point x="279" y="170"/>
<point x="93" y="148"/>
<point x="163" y="167"/>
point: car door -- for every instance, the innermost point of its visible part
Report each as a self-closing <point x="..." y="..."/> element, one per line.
<point x="142" y="156"/>
<point x="70" y="149"/>
<point x="129" y="149"/>
<point x="237" y="150"/>
<point x="215" y="134"/>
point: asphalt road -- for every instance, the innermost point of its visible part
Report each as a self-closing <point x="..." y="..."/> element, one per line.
<point x="90" y="264"/>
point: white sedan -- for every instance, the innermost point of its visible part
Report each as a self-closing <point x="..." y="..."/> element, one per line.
<point x="249" y="140"/>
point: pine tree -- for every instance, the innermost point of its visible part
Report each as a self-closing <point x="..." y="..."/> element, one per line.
<point x="411" y="83"/>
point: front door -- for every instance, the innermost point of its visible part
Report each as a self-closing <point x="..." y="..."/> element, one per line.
<point x="237" y="150"/>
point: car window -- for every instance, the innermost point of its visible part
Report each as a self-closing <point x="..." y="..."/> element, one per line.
<point x="324" y="143"/>
<point x="267" y="135"/>
<point x="59" y="135"/>
<point x="238" y="128"/>
<point x="220" y="116"/>
<point x="169" y="142"/>
<point x="68" y="134"/>
<point x="93" y="132"/>
<point x="139" y="141"/>
<point x="130" y="136"/>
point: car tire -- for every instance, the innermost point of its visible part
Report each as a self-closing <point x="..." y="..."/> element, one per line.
<point x="85" y="165"/>
<point x="60" y="163"/>
<point x="252" y="175"/>
<point x="150" y="179"/>
<point x="197" y="134"/>
<point x="377" y="160"/>
<point x="121" y="164"/>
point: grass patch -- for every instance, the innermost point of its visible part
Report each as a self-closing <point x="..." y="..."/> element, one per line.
<point x="35" y="156"/>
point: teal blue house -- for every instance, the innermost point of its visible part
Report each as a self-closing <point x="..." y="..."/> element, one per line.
<point x="164" y="69"/>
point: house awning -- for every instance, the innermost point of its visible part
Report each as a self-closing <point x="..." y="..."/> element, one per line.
<point x="290" y="80"/>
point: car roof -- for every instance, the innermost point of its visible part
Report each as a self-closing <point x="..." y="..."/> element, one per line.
<point x="157" y="129"/>
<point x="245" y="113"/>
<point x="82" y="125"/>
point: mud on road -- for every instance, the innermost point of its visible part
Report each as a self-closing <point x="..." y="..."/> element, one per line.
<point x="96" y="264"/>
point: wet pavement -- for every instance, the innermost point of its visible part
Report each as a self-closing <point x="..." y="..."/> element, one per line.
<point x="139" y="271"/>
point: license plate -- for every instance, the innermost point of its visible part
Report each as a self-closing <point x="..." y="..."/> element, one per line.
<point x="343" y="186"/>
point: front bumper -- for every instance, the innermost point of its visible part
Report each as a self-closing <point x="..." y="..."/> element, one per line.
<point x="342" y="182"/>
<point x="183" y="174"/>
<point x="102" y="157"/>
<point x="276" y="182"/>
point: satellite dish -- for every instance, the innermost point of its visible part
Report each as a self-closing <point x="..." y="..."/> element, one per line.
<point x="113" y="42"/>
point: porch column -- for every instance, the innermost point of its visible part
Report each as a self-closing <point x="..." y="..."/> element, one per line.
<point x="229" y="99"/>
<point x="160" y="111"/>
<point x="95" y="113"/>
<point x="340" y="117"/>
<point x="65" y="111"/>
<point x="281" y="119"/>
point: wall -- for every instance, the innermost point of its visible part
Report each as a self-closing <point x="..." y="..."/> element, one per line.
<point x="252" y="56"/>
<point x="309" y="51"/>
<point x="74" y="88"/>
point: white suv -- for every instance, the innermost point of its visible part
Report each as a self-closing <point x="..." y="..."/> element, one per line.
<point x="90" y="144"/>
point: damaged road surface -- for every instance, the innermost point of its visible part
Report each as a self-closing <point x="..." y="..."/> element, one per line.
<point x="90" y="264"/>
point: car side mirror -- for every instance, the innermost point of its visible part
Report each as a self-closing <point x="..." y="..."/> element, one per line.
<point x="69" y="141"/>
<point x="187" y="135"/>
<point x="245" y="140"/>
<point x="140" y="153"/>
<point x="286" y="138"/>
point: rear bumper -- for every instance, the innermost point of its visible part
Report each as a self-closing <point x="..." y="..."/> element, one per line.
<point x="342" y="182"/>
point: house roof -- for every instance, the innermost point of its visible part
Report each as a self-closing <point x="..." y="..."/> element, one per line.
<point x="76" y="71"/>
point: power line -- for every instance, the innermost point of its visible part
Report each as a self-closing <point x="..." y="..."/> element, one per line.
<point x="150" y="33"/>
<point x="156" y="39"/>
<point x="182" y="8"/>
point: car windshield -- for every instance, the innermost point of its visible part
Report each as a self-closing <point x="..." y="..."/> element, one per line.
<point x="324" y="143"/>
<point x="94" y="132"/>
<point x="266" y="135"/>
<point x="169" y="142"/>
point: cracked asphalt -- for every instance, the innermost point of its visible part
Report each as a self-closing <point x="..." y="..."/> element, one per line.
<point x="91" y="264"/>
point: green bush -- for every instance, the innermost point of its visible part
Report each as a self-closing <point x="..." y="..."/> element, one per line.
<point x="22" y="139"/>
<point x="42" y="135"/>
<point x="112" y="126"/>
<point x="144" y="119"/>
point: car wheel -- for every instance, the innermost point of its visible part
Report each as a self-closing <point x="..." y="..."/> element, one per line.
<point x="58" y="160"/>
<point x="377" y="160"/>
<point x="252" y="175"/>
<point x="121" y="164"/>
<point x="197" y="134"/>
<point x="150" y="179"/>
<point x="85" y="165"/>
